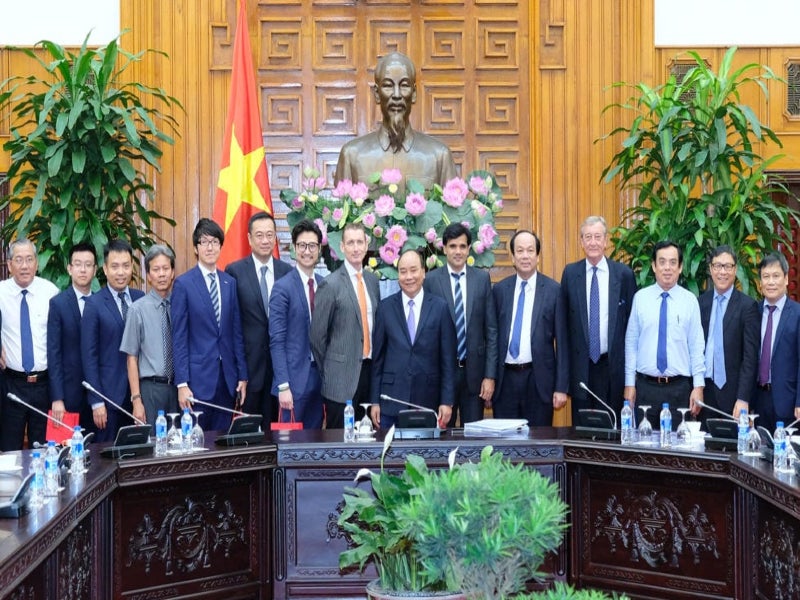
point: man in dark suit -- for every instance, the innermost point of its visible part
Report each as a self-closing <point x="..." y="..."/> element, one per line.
<point x="597" y="294"/>
<point x="468" y="293"/>
<point x="341" y="329"/>
<point x="208" y="348"/>
<point x="413" y="346"/>
<point x="778" y="389"/>
<point x="532" y="365"/>
<point x="102" y="326"/>
<point x="67" y="394"/>
<point x="255" y="277"/>
<point x="296" y="379"/>
<point x="731" y="325"/>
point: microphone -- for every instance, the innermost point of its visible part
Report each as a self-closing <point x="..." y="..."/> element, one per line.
<point x="606" y="406"/>
<point x="19" y="400"/>
<point x="88" y="386"/>
<point x="192" y="399"/>
<point x="716" y="410"/>
<point x="412" y="405"/>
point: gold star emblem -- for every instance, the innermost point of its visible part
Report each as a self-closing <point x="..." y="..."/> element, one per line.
<point x="238" y="180"/>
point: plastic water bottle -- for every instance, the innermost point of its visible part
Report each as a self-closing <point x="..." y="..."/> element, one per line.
<point x="780" y="453"/>
<point x="666" y="426"/>
<point x="161" y="434"/>
<point x="741" y="437"/>
<point x="626" y="424"/>
<point x="51" y="475"/>
<point x="77" y="453"/>
<point x="349" y="422"/>
<point x="37" y="485"/>
<point x="186" y="430"/>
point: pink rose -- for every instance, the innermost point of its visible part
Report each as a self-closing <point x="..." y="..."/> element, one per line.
<point x="342" y="189"/>
<point x="337" y="215"/>
<point x="487" y="235"/>
<point x="384" y="205"/>
<point x="389" y="254"/>
<point x="396" y="236"/>
<point x="455" y="192"/>
<point x="415" y="204"/>
<point x="369" y="220"/>
<point x="389" y="176"/>
<point x="430" y="235"/>
<point x="478" y="185"/>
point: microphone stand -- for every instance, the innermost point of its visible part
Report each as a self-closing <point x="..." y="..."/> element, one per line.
<point x="88" y="386"/>
<point x="19" y="400"/>
<point x="412" y="405"/>
<point x="606" y="406"/>
<point x="233" y="411"/>
<point x="716" y="410"/>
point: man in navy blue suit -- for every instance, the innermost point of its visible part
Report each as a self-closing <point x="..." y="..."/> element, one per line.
<point x="533" y="369"/>
<point x="296" y="379"/>
<point x="64" y="333"/>
<point x="102" y="325"/>
<point x="207" y="342"/>
<point x="413" y="348"/>
<point x="778" y="392"/>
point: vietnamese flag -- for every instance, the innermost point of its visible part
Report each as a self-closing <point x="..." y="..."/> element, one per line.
<point x="243" y="185"/>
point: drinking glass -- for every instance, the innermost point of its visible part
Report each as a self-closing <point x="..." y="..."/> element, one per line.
<point x="174" y="441"/>
<point x="753" y="439"/>
<point x="645" y="428"/>
<point x="789" y="446"/>
<point x="683" y="435"/>
<point x="197" y="436"/>
<point x="364" y="428"/>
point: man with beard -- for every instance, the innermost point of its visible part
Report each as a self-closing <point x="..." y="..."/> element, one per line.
<point x="395" y="145"/>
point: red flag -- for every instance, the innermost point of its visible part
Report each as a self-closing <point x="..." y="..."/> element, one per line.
<point x="243" y="184"/>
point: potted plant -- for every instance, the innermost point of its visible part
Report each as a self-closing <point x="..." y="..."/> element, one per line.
<point x="479" y="528"/>
<point x="562" y="591"/>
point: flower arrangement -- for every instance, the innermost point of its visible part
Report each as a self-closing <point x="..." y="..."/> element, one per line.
<point x="398" y="219"/>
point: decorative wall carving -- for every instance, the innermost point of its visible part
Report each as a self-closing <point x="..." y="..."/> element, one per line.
<point x="75" y="560"/>
<point x="779" y="559"/>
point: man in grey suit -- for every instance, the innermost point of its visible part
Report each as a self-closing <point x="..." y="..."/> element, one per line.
<point x="468" y="292"/>
<point x="255" y="277"/>
<point x="341" y="329"/>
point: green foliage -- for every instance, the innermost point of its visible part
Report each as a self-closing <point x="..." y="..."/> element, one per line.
<point x="484" y="528"/>
<point x="562" y="591"/>
<point x="80" y="141"/>
<point x="689" y="158"/>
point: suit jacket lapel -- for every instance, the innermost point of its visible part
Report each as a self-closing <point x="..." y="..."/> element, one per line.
<point x="203" y="293"/>
<point x="538" y="303"/>
<point x="349" y="292"/>
<point x="112" y="306"/>
<point x="471" y="293"/>
<point x="251" y="279"/>
<point x="583" y="301"/>
<point x="424" y="315"/>
<point x="614" y="285"/>
<point x="74" y="306"/>
<point x="730" y="312"/>
<point x="787" y="311"/>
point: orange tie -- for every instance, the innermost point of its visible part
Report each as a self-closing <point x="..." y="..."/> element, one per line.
<point x="362" y="305"/>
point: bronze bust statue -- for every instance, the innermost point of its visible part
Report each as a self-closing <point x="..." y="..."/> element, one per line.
<point x="395" y="145"/>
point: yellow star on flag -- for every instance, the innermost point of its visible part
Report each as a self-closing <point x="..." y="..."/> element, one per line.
<point x="238" y="180"/>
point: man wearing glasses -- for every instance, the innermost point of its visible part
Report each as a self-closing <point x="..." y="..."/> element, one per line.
<point x="65" y="368"/>
<point x="731" y="327"/>
<point x="296" y="380"/>
<point x="208" y="348"/>
<point x="24" y="304"/>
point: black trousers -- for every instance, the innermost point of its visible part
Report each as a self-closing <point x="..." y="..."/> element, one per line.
<point x="517" y="401"/>
<point x="17" y="418"/>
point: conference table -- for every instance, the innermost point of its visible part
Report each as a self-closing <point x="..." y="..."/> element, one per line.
<point x="260" y="522"/>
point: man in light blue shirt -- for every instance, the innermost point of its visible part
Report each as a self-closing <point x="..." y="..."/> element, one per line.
<point x="664" y="344"/>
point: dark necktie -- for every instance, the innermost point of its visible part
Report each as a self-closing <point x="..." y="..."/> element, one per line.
<point x="311" y="294"/>
<point x="123" y="304"/>
<point x="461" y="321"/>
<point x="82" y="304"/>
<point x="594" y="318"/>
<point x="411" y="321"/>
<point x="214" y="292"/>
<point x="516" y="329"/>
<point x="766" y="350"/>
<point x="661" y="349"/>
<point x="264" y="290"/>
<point x="166" y="339"/>
<point x="25" y="334"/>
<point x="720" y="378"/>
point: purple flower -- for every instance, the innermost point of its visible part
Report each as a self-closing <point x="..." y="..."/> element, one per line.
<point x="342" y="189"/>
<point x="337" y="215"/>
<point x="430" y="235"/>
<point x="378" y="231"/>
<point x="396" y="236"/>
<point x="314" y="183"/>
<point x="384" y="205"/>
<point x="415" y="204"/>
<point x="478" y="185"/>
<point x="389" y="254"/>
<point x="298" y="203"/>
<point x="478" y="247"/>
<point x="323" y="228"/>
<point x="359" y="193"/>
<point x="369" y="220"/>
<point x="389" y="176"/>
<point x="487" y="235"/>
<point x="479" y="209"/>
<point x="455" y="192"/>
<point x="326" y="212"/>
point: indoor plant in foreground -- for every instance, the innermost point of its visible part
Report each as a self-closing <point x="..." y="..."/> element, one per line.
<point x="480" y="528"/>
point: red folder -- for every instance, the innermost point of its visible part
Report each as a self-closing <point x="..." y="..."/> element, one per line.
<point x="57" y="433"/>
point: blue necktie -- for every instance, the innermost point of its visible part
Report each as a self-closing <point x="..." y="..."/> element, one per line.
<point x="594" y="318"/>
<point x="516" y="329"/>
<point x="25" y="334"/>
<point x="123" y="305"/>
<point x="411" y="322"/>
<point x="461" y="322"/>
<point x="661" y="351"/>
<point x="212" y="289"/>
<point x="719" y="348"/>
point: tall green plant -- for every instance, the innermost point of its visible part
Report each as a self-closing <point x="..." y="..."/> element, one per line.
<point x="688" y="156"/>
<point x="81" y="138"/>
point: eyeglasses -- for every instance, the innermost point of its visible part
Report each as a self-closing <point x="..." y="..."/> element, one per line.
<point x="23" y="260"/>
<point x="724" y="267"/>
<point x="303" y="246"/>
<point x="212" y="243"/>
